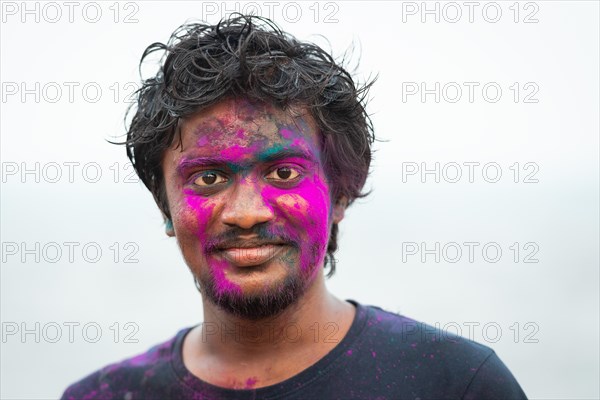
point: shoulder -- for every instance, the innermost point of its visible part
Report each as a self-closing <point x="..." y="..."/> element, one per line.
<point x="122" y="379"/>
<point x="444" y="362"/>
<point x="406" y="334"/>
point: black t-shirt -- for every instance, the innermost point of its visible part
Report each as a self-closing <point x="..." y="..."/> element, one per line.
<point x="383" y="356"/>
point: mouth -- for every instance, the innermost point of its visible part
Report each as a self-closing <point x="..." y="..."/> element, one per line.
<point x="252" y="255"/>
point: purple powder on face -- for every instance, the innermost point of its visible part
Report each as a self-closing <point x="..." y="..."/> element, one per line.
<point x="250" y="382"/>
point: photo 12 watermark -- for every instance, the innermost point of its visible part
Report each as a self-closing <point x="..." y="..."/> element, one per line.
<point x="57" y="172"/>
<point x="469" y="172"/>
<point x="69" y="252"/>
<point x="326" y="12"/>
<point x="69" y="332"/>
<point x="453" y="12"/>
<point x="470" y="92"/>
<point x="316" y="332"/>
<point x="68" y="92"/>
<point x="54" y="12"/>
<point x="453" y="252"/>
<point x="489" y="331"/>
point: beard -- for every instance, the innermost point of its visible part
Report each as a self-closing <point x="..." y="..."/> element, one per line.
<point x="266" y="304"/>
<point x="272" y="300"/>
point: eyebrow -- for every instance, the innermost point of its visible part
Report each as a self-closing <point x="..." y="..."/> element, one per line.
<point x="199" y="162"/>
<point x="270" y="156"/>
<point x="267" y="156"/>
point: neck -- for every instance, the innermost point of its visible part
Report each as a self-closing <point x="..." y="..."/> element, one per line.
<point x="317" y="314"/>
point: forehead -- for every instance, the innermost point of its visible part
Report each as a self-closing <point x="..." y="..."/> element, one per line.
<point x="249" y="125"/>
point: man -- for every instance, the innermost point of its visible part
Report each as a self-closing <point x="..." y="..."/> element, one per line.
<point x="253" y="144"/>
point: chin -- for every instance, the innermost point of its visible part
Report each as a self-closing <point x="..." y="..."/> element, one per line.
<point x="255" y="298"/>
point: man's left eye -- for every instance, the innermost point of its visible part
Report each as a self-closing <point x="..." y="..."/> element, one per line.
<point x="283" y="174"/>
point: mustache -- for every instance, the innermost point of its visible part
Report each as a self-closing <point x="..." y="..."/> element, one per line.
<point x="262" y="235"/>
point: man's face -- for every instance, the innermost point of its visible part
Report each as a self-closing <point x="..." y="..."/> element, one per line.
<point x="250" y="205"/>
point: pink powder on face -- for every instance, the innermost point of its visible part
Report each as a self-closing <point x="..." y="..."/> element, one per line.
<point x="237" y="153"/>
<point x="203" y="210"/>
<point x="202" y="141"/>
<point x="309" y="220"/>
<point x="287" y="134"/>
<point x="222" y="283"/>
<point x="294" y="140"/>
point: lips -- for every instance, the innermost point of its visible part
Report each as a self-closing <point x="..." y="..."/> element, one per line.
<point x="251" y="256"/>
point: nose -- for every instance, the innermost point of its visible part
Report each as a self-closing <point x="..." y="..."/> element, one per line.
<point x="246" y="206"/>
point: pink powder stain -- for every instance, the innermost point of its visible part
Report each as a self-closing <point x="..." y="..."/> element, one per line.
<point x="311" y="212"/>
<point x="90" y="395"/>
<point x="237" y="153"/>
<point x="287" y="134"/>
<point x="144" y="359"/>
<point x="374" y="354"/>
<point x="296" y="140"/>
<point x="202" y="141"/>
<point x="203" y="209"/>
<point x="312" y="208"/>
<point x="223" y="284"/>
<point x="349" y="352"/>
<point x="250" y="382"/>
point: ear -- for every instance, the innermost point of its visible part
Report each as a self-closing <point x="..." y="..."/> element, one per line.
<point x="169" y="230"/>
<point x="338" y="210"/>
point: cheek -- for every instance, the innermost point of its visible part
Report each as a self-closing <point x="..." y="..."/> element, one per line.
<point x="316" y="194"/>
<point x="194" y="215"/>
<point x="197" y="215"/>
<point x="306" y="211"/>
<point x="293" y="205"/>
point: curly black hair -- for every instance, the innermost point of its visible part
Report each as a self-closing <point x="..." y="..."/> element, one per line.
<point x="249" y="56"/>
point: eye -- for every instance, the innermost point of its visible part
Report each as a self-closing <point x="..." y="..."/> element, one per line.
<point x="283" y="174"/>
<point x="209" y="178"/>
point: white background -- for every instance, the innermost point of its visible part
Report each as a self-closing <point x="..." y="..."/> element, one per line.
<point x="555" y="356"/>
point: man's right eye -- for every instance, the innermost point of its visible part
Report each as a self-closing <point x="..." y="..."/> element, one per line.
<point x="209" y="178"/>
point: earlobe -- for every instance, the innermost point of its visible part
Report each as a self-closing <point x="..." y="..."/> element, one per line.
<point x="338" y="210"/>
<point x="169" y="228"/>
